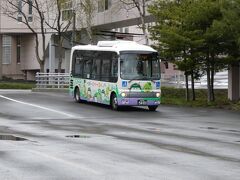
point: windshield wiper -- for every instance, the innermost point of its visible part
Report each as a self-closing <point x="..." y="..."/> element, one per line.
<point x="152" y="80"/>
<point x="148" y="78"/>
<point x="135" y="78"/>
<point x="142" y="78"/>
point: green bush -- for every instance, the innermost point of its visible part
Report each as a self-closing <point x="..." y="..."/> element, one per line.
<point x="175" y="96"/>
<point x="17" y="85"/>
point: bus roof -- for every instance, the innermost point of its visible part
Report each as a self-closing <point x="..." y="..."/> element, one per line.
<point x="115" y="46"/>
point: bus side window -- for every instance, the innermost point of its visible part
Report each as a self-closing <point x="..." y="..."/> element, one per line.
<point x="77" y="64"/>
<point x="96" y="70"/>
<point x="105" y="69"/>
<point x="87" y="65"/>
<point x="78" y="67"/>
<point x="114" y="69"/>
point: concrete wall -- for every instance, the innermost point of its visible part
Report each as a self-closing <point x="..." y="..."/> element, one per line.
<point x="52" y="56"/>
<point x="28" y="56"/>
<point x="28" y="60"/>
<point x="9" y="25"/>
<point x="28" y="65"/>
<point x="117" y="16"/>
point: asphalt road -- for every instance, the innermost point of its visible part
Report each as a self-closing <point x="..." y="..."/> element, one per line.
<point x="66" y="140"/>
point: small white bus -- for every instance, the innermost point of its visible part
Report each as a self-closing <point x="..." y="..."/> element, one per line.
<point x="117" y="73"/>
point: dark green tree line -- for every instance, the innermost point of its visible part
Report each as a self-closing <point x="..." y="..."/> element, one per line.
<point x="198" y="35"/>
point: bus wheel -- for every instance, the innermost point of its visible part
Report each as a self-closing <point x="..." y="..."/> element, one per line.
<point x="152" y="108"/>
<point x="114" y="103"/>
<point x="77" y="95"/>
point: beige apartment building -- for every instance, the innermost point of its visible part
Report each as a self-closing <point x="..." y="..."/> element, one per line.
<point x="17" y="42"/>
<point x="17" y="46"/>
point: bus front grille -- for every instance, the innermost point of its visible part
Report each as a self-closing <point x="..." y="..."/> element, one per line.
<point x="141" y="95"/>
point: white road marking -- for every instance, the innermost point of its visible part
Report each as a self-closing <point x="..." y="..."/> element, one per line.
<point x="66" y="162"/>
<point x="37" y="106"/>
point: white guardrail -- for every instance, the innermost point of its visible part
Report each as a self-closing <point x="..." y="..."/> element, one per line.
<point x="52" y="80"/>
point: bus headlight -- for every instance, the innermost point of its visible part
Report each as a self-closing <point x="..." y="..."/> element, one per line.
<point x="123" y="94"/>
<point x="158" y="95"/>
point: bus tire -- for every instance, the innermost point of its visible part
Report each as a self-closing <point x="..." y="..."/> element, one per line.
<point x="77" y="95"/>
<point x="152" y="108"/>
<point x="114" y="103"/>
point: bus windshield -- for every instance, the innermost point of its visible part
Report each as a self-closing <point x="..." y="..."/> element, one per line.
<point x="139" y="66"/>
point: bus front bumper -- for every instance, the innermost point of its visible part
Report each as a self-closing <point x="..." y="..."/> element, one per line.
<point x="138" y="101"/>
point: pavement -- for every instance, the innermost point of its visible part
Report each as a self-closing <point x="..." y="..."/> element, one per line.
<point x="61" y="139"/>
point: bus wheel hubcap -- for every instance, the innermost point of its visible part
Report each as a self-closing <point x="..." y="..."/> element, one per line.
<point x="77" y="97"/>
<point x="114" y="103"/>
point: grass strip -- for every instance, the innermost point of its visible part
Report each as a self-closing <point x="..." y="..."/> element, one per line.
<point x="175" y="96"/>
<point x="17" y="85"/>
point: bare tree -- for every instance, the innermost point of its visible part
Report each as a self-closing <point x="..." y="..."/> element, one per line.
<point x="141" y="6"/>
<point x="13" y="10"/>
<point x="59" y="23"/>
<point x="87" y="9"/>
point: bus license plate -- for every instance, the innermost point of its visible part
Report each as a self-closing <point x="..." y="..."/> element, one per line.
<point x="142" y="102"/>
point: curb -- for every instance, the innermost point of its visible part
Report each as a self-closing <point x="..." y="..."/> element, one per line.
<point x="64" y="90"/>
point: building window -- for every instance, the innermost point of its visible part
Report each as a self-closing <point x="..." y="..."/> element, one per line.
<point x="67" y="10"/>
<point x="67" y="5"/>
<point x="30" y="18"/>
<point x="107" y="4"/>
<point x="30" y="4"/>
<point x="100" y="6"/>
<point x="6" y="49"/>
<point x="18" y="49"/>
<point x="19" y="16"/>
<point x="30" y="11"/>
<point x="67" y="15"/>
<point x="19" y="6"/>
<point x="104" y="5"/>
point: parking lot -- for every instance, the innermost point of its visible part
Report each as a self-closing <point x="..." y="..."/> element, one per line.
<point x="49" y="136"/>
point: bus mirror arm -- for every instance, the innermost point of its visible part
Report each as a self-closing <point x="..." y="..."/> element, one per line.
<point x="130" y="81"/>
<point x="153" y="81"/>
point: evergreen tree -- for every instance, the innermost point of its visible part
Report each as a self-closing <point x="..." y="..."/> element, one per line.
<point x="199" y="35"/>
<point x="176" y="40"/>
